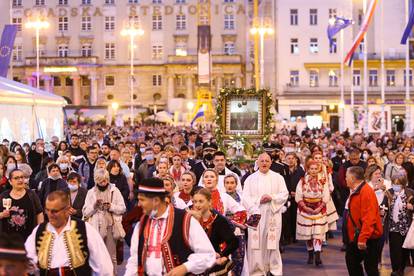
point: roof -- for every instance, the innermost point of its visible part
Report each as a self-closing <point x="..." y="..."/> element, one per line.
<point x="13" y="92"/>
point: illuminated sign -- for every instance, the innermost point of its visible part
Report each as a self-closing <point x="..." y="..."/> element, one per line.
<point x="60" y="69"/>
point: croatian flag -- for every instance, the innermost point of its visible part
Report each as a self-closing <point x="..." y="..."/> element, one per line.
<point x="410" y="24"/>
<point x="336" y="26"/>
<point x="364" y="28"/>
<point x="199" y="114"/>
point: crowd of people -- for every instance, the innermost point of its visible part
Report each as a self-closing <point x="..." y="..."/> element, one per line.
<point x="180" y="204"/>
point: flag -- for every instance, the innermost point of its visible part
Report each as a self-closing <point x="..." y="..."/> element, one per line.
<point x="364" y="28"/>
<point x="409" y="26"/>
<point x="338" y="24"/>
<point x="199" y="114"/>
<point x="204" y="54"/>
<point x="6" y="47"/>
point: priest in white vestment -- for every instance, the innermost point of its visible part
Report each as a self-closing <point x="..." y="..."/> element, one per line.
<point x="265" y="192"/>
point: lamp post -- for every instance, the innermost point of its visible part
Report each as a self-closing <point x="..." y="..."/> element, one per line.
<point x="261" y="30"/>
<point x="132" y="32"/>
<point x="38" y="25"/>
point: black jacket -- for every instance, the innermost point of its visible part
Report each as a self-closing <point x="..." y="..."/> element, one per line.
<point x="49" y="185"/>
<point x="121" y="183"/>
<point x="79" y="202"/>
<point x="35" y="160"/>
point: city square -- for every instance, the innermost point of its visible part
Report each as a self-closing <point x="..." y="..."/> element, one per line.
<point x="206" y="137"/>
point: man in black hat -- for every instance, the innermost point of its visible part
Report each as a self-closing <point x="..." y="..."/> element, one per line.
<point x="209" y="149"/>
<point x="167" y="241"/>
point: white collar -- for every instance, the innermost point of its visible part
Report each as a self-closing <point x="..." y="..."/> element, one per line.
<point x="52" y="229"/>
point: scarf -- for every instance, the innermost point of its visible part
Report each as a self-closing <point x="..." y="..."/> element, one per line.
<point x="217" y="203"/>
<point x="185" y="197"/>
<point x="398" y="206"/>
<point x="208" y="224"/>
<point x="104" y="216"/>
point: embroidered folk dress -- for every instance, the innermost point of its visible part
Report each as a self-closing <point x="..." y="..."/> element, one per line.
<point x="311" y="192"/>
<point x="332" y="215"/>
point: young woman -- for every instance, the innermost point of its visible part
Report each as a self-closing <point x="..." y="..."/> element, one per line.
<point x="117" y="177"/>
<point x="312" y="196"/>
<point x="218" y="229"/>
<point x="162" y="169"/>
<point x="169" y="185"/>
<point x="188" y="180"/>
<point x="177" y="168"/>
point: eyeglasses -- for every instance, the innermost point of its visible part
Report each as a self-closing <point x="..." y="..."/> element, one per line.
<point x="55" y="211"/>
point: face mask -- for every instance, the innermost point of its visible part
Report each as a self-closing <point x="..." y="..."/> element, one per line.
<point x="149" y="157"/>
<point x="63" y="166"/>
<point x="365" y="156"/>
<point x="54" y="177"/>
<point x="396" y="188"/>
<point x="142" y="150"/>
<point x="73" y="187"/>
<point x="208" y="157"/>
<point x="102" y="188"/>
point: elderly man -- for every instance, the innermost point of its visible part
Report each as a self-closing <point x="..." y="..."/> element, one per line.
<point x="67" y="246"/>
<point x="265" y="192"/>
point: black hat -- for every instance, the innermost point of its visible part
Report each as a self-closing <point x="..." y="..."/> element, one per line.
<point x="210" y="145"/>
<point x="268" y="147"/>
<point x="152" y="185"/>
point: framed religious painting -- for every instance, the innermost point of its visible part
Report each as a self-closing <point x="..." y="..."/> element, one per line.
<point x="243" y="113"/>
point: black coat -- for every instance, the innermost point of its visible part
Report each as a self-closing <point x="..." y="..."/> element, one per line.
<point x="121" y="183"/>
<point x="35" y="160"/>
<point x="49" y="185"/>
<point x="79" y="202"/>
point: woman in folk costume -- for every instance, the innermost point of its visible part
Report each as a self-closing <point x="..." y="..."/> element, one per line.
<point x="221" y="201"/>
<point x="325" y="173"/>
<point x="177" y="168"/>
<point x="169" y="186"/>
<point x="218" y="229"/>
<point x="312" y="196"/>
<point x="188" y="179"/>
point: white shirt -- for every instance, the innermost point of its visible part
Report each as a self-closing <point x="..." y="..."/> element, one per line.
<point x="99" y="259"/>
<point x="203" y="257"/>
<point x="179" y="203"/>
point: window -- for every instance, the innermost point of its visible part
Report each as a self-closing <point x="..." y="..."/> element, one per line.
<point x="110" y="50"/>
<point x="333" y="78"/>
<point x="18" y="53"/>
<point x="390" y="77"/>
<point x="313" y="78"/>
<point x="63" y="2"/>
<point x="86" y="23"/>
<point x="294" y="46"/>
<point x="85" y="81"/>
<point x="229" y="48"/>
<point x="17" y="21"/>
<point x="133" y="1"/>
<point x="410" y="76"/>
<point x="361" y="46"/>
<point x="180" y="23"/>
<point x="86" y="2"/>
<point x="229" y="1"/>
<point x="63" y="50"/>
<point x="294" y="78"/>
<point x="204" y="19"/>
<point x="57" y="81"/>
<point x="109" y="23"/>
<point x="332" y="13"/>
<point x="86" y="50"/>
<point x="156" y="52"/>
<point x="17" y="3"/>
<point x="157" y="22"/>
<point x="181" y="49"/>
<point x="180" y="81"/>
<point x="40" y="2"/>
<point x="229" y="22"/>
<point x="63" y="23"/>
<point x="356" y="78"/>
<point x="313" y="17"/>
<point x="157" y="1"/>
<point x="109" y="80"/>
<point x="293" y="17"/>
<point x="333" y="47"/>
<point x="156" y="80"/>
<point x="373" y="77"/>
<point x="313" y="46"/>
<point x="182" y="1"/>
<point x="110" y="2"/>
<point x="134" y="21"/>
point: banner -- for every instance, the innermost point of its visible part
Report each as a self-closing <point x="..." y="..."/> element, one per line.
<point x="358" y="118"/>
<point x="335" y="27"/>
<point x="6" y="48"/>
<point x="204" y="55"/>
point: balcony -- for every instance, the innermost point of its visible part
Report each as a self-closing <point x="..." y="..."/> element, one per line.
<point x="217" y="59"/>
<point x="62" y="61"/>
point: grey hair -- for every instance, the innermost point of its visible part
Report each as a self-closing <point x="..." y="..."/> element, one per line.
<point x="400" y="178"/>
<point x="62" y="158"/>
<point x="356" y="172"/>
<point x="231" y="175"/>
<point x="100" y="175"/>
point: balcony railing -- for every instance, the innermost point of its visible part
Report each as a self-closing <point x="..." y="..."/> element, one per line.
<point x="336" y="89"/>
<point x="60" y="61"/>
<point x="387" y="56"/>
<point x="223" y="59"/>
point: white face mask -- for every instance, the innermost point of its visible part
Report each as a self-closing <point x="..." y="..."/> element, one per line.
<point x="63" y="166"/>
<point x="73" y="187"/>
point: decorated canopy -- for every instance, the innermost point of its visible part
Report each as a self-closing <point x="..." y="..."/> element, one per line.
<point x="27" y="113"/>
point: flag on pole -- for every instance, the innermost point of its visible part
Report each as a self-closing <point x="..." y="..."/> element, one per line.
<point x="6" y="47"/>
<point x="364" y="28"/>
<point x="410" y="25"/>
<point x="335" y="26"/>
<point x="199" y="114"/>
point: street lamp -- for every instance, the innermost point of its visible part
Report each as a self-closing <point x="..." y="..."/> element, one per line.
<point x="38" y="25"/>
<point x="132" y="32"/>
<point x="261" y="31"/>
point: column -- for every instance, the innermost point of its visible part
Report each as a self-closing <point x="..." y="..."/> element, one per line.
<point x="94" y="89"/>
<point x="48" y="83"/>
<point x="76" y="96"/>
<point x="170" y="91"/>
<point x="189" y="87"/>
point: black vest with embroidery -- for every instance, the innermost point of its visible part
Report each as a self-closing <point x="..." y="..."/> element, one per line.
<point x="176" y="249"/>
<point x="76" y="243"/>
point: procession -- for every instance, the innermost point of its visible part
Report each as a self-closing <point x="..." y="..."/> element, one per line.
<point x="220" y="137"/>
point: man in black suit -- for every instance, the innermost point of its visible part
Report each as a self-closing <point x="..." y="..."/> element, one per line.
<point x="208" y="152"/>
<point x="77" y="195"/>
<point x="184" y="152"/>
